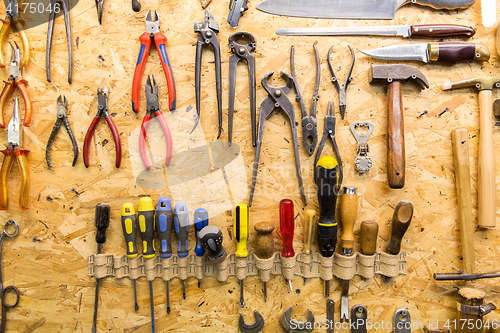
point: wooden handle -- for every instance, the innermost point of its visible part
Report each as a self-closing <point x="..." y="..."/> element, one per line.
<point x="441" y="30"/>
<point x="308" y="230"/>
<point x="369" y="234"/>
<point x="462" y="178"/>
<point x="395" y="137"/>
<point x="497" y="45"/>
<point x="452" y="52"/>
<point x="486" y="169"/>
<point x="349" y="205"/>
<point x="400" y="223"/>
<point x="264" y="242"/>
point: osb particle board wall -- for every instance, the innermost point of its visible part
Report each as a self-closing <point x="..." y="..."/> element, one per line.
<point x="48" y="260"/>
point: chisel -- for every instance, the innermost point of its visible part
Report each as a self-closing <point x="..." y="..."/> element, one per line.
<point x="164" y="222"/>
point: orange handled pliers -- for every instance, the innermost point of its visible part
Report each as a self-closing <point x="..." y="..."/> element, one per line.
<point x="152" y="32"/>
<point x="9" y="86"/>
<point x="14" y="150"/>
<point x="11" y="11"/>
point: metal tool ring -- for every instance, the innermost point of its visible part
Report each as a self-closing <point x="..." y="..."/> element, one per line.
<point x="252" y="44"/>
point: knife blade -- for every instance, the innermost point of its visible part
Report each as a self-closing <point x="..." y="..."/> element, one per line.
<point x="428" y="30"/>
<point x="449" y="52"/>
<point x="489" y="12"/>
<point x="349" y="9"/>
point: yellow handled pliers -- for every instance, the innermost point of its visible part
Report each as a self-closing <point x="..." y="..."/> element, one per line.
<point x="14" y="150"/>
<point x="11" y="18"/>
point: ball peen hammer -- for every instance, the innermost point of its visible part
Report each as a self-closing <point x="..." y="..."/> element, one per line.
<point x="486" y="162"/>
<point x="394" y="75"/>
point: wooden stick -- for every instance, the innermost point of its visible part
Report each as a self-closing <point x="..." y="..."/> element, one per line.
<point x="460" y="139"/>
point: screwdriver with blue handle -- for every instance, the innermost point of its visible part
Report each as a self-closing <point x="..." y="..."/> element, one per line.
<point x="181" y="224"/>
<point x="200" y="222"/>
<point x="147" y="227"/>
<point x="241" y="232"/>
<point x="164" y="223"/>
<point x="129" y="226"/>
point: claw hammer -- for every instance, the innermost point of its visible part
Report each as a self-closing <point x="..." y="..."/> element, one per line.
<point x="486" y="167"/>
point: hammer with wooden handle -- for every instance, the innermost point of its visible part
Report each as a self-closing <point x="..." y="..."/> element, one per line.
<point x="486" y="173"/>
<point x="393" y="75"/>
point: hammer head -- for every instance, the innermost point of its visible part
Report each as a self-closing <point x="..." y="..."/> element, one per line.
<point x="390" y="73"/>
<point x="481" y="83"/>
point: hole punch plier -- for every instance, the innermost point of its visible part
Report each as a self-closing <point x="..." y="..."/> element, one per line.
<point x="329" y="132"/>
<point x="208" y="30"/>
<point x="277" y="99"/>
<point x="153" y="107"/>
<point x="21" y="84"/>
<point x="62" y="117"/>
<point x="153" y="32"/>
<point x="11" y="12"/>
<point x="242" y="52"/>
<point x="102" y="109"/>
<point x="50" y="34"/>
<point x="342" y="89"/>
<point x="309" y="123"/>
<point x="14" y="151"/>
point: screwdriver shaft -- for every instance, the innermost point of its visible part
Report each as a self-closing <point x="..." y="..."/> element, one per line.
<point x="136" y="305"/>
<point x="94" y="323"/>
<point x="152" y="304"/>
<point x="183" y="289"/>
<point x="327" y="288"/>
<point x="242" y="299"/>
<point x="265" y="291"/>
<point x="168" y="299"/>
<point x="290" y="283"/>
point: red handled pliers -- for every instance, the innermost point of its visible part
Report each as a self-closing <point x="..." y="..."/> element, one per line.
<point x="152" y="32"/>
<point x="102" y="109"/>
<point x="153" y="107"/>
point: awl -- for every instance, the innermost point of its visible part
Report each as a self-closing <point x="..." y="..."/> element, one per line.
<point x="349" y="9"/>
<point x="449" y="52"/>
<point x="425" y="30"/>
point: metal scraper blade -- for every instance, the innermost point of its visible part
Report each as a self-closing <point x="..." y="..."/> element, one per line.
<point x="344" y="9"/>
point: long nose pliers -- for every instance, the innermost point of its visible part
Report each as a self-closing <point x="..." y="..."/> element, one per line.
<point x="153" y="32"/>
<point x="208" y="30"/>
<point x="14" y="151"/>
<point x="11" y="18"/>
<point x="309" y="123"/>
<point x="342" y="89"/>
<point x="11" y="83"/>
<point x="50" y="34"/>
<point x="102" y="110"/>
<point x="153" y="107"/>
<point x="62" y="117"/>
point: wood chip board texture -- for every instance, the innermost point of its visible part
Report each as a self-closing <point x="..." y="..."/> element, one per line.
<point x="48" y="260"/>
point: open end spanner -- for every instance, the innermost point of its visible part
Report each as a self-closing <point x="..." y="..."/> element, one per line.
<point x="402" y="321"/>
<point x="255" y="327"/>
<point x="359" y="316"/>
<point x="297" y="326"/>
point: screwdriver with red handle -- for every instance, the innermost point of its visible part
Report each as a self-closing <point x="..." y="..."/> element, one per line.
<point x="287" y="229"/>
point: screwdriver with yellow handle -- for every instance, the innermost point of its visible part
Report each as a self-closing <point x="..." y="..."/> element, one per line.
<point x="147" y="228"/>
<point x="327" y="177"/>
<point x="241" y="232"/>
<point x="308" y="231"/>
<point x="129" y="226"/>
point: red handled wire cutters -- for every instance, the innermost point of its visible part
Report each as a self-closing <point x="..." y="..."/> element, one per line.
<point x="152" y="32"/>
<point x="102" y="109"/>
<point x="153" y="107"/>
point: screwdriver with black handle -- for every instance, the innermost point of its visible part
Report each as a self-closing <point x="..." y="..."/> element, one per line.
<point x="401" y="220"/>
<point x="129" y="226"/>
<point x="181" y="224"/>
<point x="102" y="211"/>
<point x="200" y="222"/>
<point x="348" y="211"/>
<point x="326" y="178"/>
<point x="241" y="232"/>
<point x="164" y="223"/>
<point x="146" y="220"/>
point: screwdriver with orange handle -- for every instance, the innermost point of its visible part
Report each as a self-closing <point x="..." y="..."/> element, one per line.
<point x="129" y="226"/>
<point x="326" y="176"/>
<point x="241" y="232"/>
<point x="348" y="211"/>
<point x="287" y="229"/>
<point x="147" y="227"/>
<point x="308" y="231"/>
